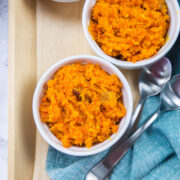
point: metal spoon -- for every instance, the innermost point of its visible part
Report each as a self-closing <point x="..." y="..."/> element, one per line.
<point x="169" y="100"/>
<point x="151" y="81"/>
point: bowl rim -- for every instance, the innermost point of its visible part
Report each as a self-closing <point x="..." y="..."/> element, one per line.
<point x="125" y="64"/>
<point x="49" y="72"/>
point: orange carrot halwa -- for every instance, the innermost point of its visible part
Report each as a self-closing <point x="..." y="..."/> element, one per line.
<point x="82" y="105"/>
<point x="130" y="30"/>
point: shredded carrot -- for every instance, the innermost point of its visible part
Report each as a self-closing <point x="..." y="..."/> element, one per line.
<point x="130" y="30"/>
<point x="82" y="105"/>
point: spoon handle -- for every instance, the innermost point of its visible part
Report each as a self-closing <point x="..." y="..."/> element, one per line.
<point x="135" y="115"/>
<point x="134" y="120"/>
<point x="105" y="166"/>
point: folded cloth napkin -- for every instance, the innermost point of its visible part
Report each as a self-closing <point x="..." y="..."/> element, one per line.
<point x="155" y="155"/>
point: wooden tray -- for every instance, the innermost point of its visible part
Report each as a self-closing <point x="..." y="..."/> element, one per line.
<point x="41" y="32"/>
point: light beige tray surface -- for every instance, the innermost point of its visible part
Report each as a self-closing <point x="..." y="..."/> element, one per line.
<point x="41" y="33"/>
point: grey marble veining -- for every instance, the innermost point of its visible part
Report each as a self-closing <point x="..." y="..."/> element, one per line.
<point x="3" y="88"/>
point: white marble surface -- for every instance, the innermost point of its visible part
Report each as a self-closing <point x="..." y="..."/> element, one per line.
<point x="3" y="88"/>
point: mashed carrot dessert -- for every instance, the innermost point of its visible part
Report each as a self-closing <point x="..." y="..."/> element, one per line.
<point x="82" y="105"/>
<point x="130" y="30"/>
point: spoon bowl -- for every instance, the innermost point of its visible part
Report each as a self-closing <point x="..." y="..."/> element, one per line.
<point x="153" y="78"/>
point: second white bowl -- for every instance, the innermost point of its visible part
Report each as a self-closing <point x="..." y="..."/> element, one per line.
<point x="43" y="128"/>
<point x="173" y="9"/>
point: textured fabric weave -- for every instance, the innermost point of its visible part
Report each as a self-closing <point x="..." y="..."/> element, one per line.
<point x="155" y="155"/>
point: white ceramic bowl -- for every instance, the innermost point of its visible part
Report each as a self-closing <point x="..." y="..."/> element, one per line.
<point x="173" y="32"/>
<point x="43" y="128"/>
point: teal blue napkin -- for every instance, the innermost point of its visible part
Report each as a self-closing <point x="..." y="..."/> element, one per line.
<point x="155" y="155"/>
